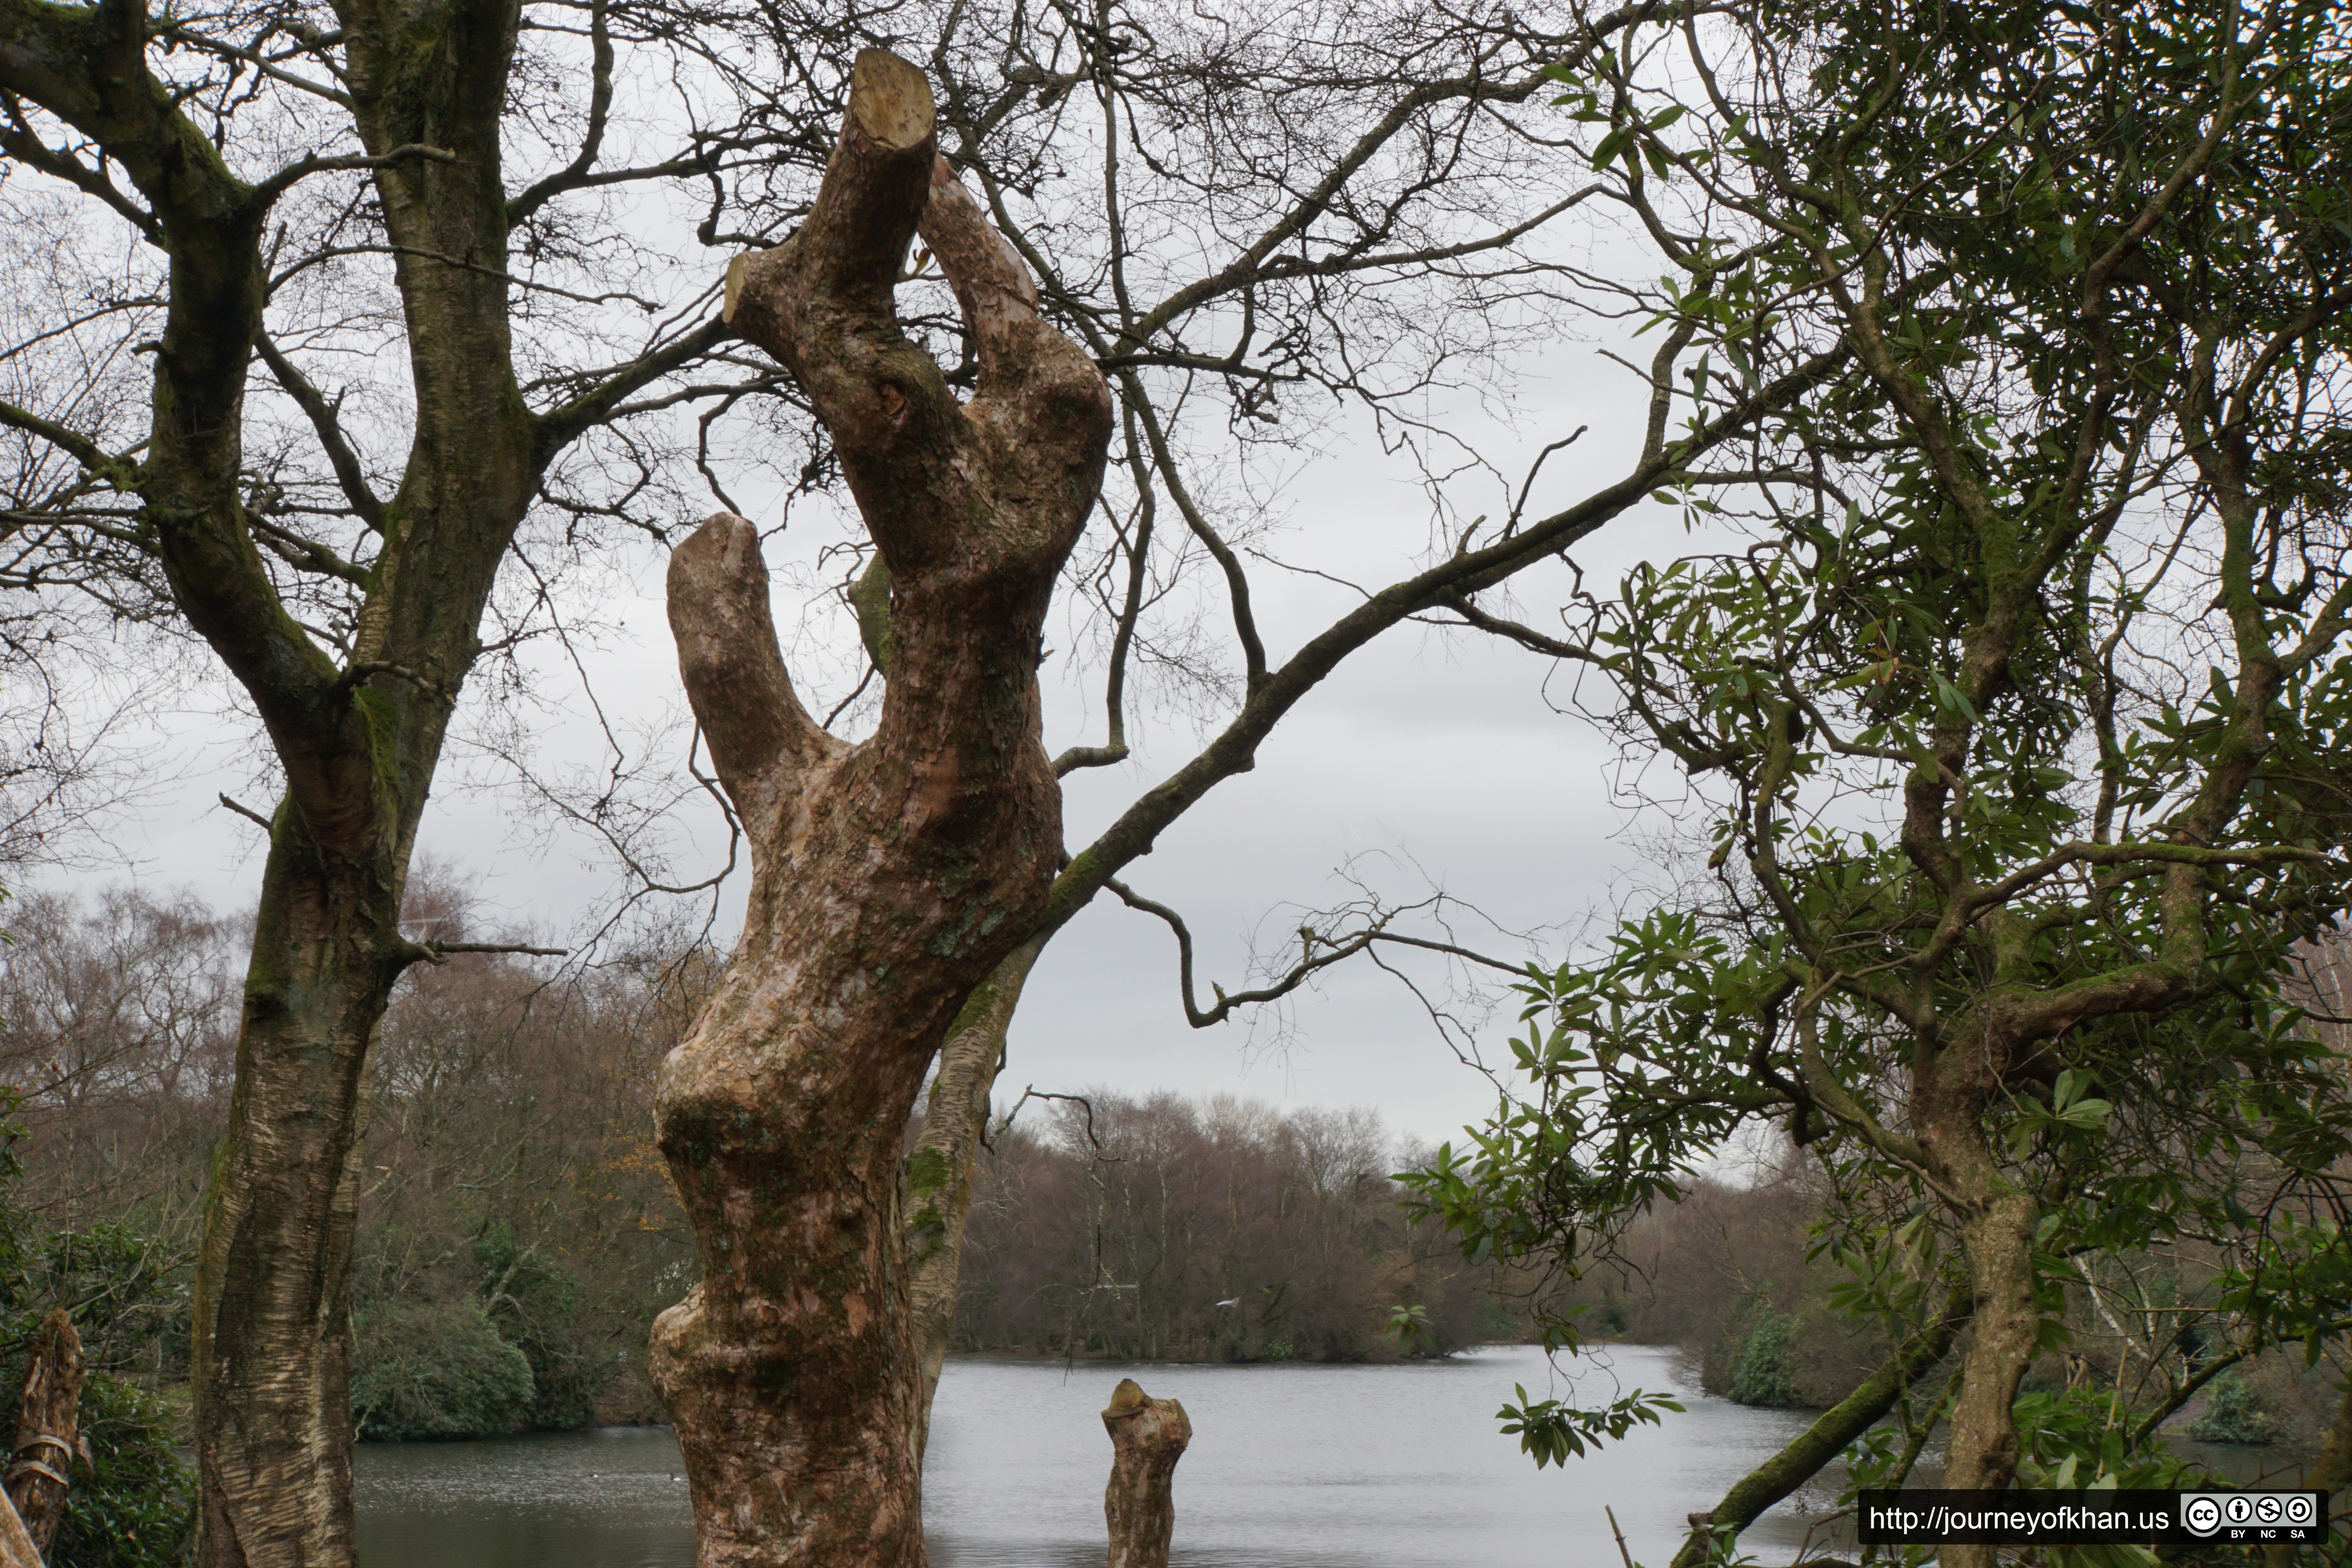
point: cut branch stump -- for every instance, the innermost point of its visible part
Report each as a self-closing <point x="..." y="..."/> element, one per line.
<point x="42" y="1469"/>
<point x="1147" y="1437"/>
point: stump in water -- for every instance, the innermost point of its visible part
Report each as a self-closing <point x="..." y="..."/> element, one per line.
<point x="1147" y="1437"/>
<point x="43" y="1467"/>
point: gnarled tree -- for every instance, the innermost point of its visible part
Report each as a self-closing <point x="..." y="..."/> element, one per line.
<point x="1367" y="221"/>
<point x="889" y="877"/>
<point x="1396" y="214"/>
<point x="890" y="912"/>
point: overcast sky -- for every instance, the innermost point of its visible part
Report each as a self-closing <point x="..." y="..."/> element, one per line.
<point x="1427" y="761"/>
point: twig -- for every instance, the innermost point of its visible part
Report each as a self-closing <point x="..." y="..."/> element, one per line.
<point x="1620" y="1534"/>
<point x="435" y="952"/>
<point x="249" y="812"/>
<point x="1033" y="1092"/>
<point x="358" y="674"/>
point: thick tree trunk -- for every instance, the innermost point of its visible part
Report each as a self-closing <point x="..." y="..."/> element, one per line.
<point x="1995" y="1224"/>
<point x="271" y="1370"/>
<point x="41" y="1472"/>
<point x="939" y="1170"/>
<point x="1147" y="1437"/>
<point x="1999" y="1242"/>
<point x="888" y="878"/>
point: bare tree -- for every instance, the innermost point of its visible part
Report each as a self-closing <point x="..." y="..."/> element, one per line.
<point x="1388" y="220"/>
<point x="253" y="173"/>
<point x="125" y="999"/>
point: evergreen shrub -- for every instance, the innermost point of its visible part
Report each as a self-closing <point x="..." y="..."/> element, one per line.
<point x="435" y="1369"/>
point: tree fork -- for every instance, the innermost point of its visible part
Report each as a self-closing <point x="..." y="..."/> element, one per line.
<point x="272" y="1338"/>
<point x="890" y="878"/>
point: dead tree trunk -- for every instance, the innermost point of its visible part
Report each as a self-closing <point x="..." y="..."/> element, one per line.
<point x="889" y="877"/>
<point x="42" y="1469"/>
<point x="1147" y="1437"/>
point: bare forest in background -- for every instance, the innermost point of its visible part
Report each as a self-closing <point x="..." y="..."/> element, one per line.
<point x="517" y="1229"/>
<point x="1160" y="1228"/>
<point x="519" y="1233"/>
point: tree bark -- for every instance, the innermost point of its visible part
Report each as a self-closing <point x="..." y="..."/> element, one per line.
<point x="271" y="1325"/>
<point x="356" y="723"/>
<point x="42" y="1471"/>
<point x="16" y="1548"/>
<point x="271" y="1370"/>
<point x="889" y="878"/>
<point x="1999" y="1242"/>
<point x="939" y="1170"/>
<point x="1817" y="1445"/>
<point x="1147" y="1437"/>
<point x="1996" y="1223"/>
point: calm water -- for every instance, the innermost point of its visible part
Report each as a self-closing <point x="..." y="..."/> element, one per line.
<point x="1392" y="1466"/>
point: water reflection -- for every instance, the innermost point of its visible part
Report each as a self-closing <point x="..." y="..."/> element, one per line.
<point x="608" y="1499"/>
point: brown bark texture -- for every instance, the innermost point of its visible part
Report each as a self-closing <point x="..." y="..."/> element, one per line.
<point x="890" y="877"/>
<point x="1148" y="1436"/>
<point x="16" y="1548"/>
<point x="41" y="1471"/>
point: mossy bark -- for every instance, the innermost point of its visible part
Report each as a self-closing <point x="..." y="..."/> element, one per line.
<point x="271" y="1350"/>
<point x="1804" y="1455"/>
<point x="939" y="1168"/>
<point x="357" y="732"/>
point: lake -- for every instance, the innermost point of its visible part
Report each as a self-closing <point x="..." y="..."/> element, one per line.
<point x="1335" y="1466"/>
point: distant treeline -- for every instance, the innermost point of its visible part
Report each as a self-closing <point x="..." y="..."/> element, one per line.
<point x="517" y="1231"/>
<point x="1215" y="1231"/>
